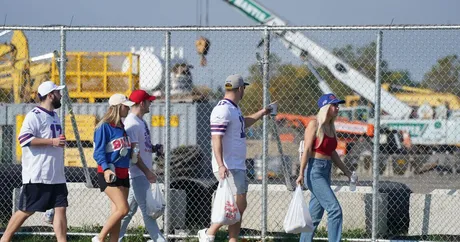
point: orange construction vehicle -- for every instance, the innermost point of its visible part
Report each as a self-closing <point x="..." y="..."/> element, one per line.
<point x="347" y="131"/>
<point x="355" y="138"/>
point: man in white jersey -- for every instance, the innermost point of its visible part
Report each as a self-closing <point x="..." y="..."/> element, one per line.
<point x="44" y="183"/>
<point x="229" y="149"/>
<point x="140" y="173"/>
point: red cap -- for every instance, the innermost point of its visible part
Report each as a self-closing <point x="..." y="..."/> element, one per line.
<point x="138" y="96"/>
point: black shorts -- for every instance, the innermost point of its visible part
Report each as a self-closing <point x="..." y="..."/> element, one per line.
<point x="118" y="183"/>
<point x="39" y="197"/>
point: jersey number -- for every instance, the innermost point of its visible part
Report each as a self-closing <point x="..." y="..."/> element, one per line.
<point x="242" y="134"/>
<point x="56" y="130"/>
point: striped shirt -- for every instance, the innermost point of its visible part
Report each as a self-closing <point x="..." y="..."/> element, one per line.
<point x="44" y="163"/>
<point x="228" y="121"/>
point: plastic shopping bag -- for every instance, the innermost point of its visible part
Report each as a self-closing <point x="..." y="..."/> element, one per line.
<point x="298" y="217"/>
<point x="155" y="202"/>
<point x="224" y="209"/>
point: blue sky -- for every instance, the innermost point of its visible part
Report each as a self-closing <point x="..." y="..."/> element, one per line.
<point x="233" y="52"/>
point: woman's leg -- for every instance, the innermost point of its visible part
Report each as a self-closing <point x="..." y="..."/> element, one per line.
<point x="320" y="179"/>
<point x="316" y="213"/>
<point x="316" y="210"/>
<point x="132" y="210"/>
<point x="119" y="198"/>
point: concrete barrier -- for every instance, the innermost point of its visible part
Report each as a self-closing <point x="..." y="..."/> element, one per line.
<point x="356" y="208"/>
<point x="435" y="213"/>
<point x="429" y="213"/>
<point x="90" y="207"/>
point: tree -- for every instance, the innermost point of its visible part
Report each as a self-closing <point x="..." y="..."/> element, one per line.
<point x="444" y="76"/>
<point x="363" y="59"/>
<point x="293" y="87"/>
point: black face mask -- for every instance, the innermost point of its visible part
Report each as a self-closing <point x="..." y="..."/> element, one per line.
<point x="56" y="102"/>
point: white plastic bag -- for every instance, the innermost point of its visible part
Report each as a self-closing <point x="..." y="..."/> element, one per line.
<point x="298" y="217"/>
<point x="155" y="202"/>
<point x="224" y="208"/>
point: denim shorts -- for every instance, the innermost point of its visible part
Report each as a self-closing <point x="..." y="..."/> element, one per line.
<point x="237" y="179"/>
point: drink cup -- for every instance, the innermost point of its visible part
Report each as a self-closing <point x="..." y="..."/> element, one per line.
<point x="274" y="109"/>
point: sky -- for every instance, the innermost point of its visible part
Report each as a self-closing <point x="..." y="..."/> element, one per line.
<point x="234" y="52"/>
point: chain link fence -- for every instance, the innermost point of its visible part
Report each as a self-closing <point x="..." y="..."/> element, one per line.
<point x="408" y="179"/>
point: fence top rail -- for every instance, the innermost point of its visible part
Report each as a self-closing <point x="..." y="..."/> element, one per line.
<point x="231" y="28"/>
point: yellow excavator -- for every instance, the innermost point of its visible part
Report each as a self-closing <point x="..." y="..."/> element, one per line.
<point x="413" y="96"/>
<point x="90" y="75"/>
<point x="15" y="68"/>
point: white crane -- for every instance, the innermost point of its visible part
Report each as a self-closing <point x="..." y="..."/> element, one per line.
<point x="303" y="47"/>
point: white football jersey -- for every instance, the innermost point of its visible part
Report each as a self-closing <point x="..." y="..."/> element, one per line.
<point x="44" y="163"/>
<point x="227" y="120"/>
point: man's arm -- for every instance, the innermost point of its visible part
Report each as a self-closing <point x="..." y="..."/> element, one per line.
<point x="43" y="142"/>
<point x="28" y="130"/>
<point x="217" y="149"/>
<point x="251" y="119"/>
<point x="147" y="172"/>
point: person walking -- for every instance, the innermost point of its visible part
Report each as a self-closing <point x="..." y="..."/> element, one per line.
<point x="112" y="152"/>
<point x="320" y="142"/>
<point x="228" y="139"/>
<point x="141" y="174"/>
<point x="43" y="177"/>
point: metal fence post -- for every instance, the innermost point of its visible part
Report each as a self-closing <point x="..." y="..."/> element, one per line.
<point x="265" y="132"/>
<point x="62" y="74"/>
<point x="375" y="179"/>
<point x="168" y="130"/>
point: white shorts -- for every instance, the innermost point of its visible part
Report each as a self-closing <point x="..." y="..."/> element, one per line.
<point x="237" y="179"/>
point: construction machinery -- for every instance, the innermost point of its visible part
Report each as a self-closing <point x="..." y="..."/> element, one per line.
<point x="414" y="97"/>
<point x="15" y="66"/>
<point x="90" y="77"/>
<point x="354" y="139"/>
<point x="438" y="133"/>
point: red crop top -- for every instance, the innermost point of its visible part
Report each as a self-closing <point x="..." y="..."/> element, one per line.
<point x="328" y="145"/>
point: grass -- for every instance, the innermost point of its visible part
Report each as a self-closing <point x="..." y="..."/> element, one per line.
<point x="137" y="236"/>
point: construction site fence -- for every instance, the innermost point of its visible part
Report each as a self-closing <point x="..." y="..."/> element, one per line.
<point x="405" y="154"/>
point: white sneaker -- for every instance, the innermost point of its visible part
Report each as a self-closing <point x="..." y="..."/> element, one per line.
<point x="95" y="239"/>
<point x="203" y="237"/>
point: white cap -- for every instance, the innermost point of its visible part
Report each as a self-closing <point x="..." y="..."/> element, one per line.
<point x="47" y="87"/>
<point x="117" y="99"/>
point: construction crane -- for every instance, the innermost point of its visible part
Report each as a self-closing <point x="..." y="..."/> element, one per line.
<point x="427" y="135"/>
<point x="304" y="48"/>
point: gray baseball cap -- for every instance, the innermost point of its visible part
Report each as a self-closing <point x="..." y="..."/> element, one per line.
<point x="234" y="81"/>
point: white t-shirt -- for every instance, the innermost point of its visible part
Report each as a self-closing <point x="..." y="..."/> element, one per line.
<point x="227" y="120"/>
<point x="41" y="164"/>
<point x="138" y="132"/>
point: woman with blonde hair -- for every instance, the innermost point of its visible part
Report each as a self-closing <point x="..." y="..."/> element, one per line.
<point x="320" y="142"/>
<point x="112" y="152"/>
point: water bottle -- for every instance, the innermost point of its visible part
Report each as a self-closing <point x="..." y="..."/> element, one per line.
<point x="135" y="153"/>
<point x="353" y="179"/>
<point x="49" y="216"/>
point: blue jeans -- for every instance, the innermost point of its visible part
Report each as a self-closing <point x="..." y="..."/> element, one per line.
<point x="318" y="180"/>
<point x="137" y="198"/>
